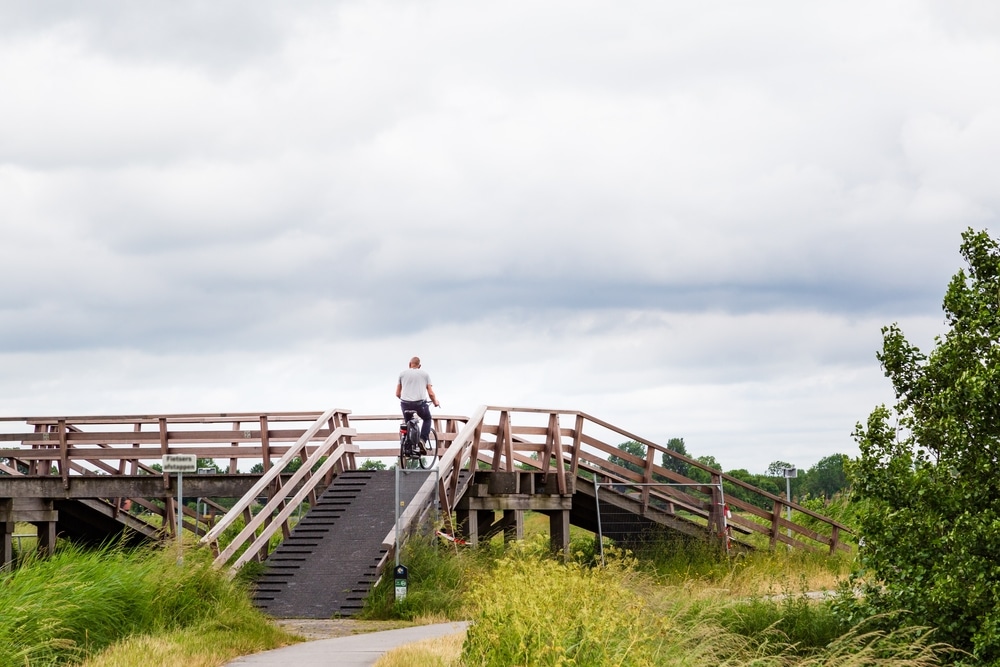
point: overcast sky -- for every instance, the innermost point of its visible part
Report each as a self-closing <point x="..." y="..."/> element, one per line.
<point x="689" y="219"/>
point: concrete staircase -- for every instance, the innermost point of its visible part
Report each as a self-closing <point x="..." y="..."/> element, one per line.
<point x="326" y="567"/>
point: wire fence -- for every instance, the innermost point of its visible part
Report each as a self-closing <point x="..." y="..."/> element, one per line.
<point x="624" y="525"/>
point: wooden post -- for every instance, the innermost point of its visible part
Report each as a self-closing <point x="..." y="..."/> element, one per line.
<point x="775" y="519"/>
<point x="501" y="447"/>
<point x="265" y="443"/>
<point x="554" y="446"/>
<point x="513" y="525"/>
<point x="647" y="476"/>
<point x="63" y="454"/>
<point x="46" y="537"/>
<point x="233" y="461"/>
<point x="134" y="467"/>
<point x="7" y="525"/>
<point x="164" y="451"/>
<point x="577" y="443"/>
<point x="559" y="531"/>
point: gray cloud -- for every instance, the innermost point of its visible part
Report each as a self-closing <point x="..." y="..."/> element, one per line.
<point x="697" y="209"/>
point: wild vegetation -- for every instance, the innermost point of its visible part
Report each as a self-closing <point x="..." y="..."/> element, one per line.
<point x="115" y="607"/>
<point x="928" y="469"/>
<point x="667" y="606"/>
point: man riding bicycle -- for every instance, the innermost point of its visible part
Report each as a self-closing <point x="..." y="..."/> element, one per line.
<point x="412" y="390"/>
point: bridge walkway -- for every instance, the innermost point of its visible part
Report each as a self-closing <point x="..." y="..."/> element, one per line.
<point x="498" y="460"/>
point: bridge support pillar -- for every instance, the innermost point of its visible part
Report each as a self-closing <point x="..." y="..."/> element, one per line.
<point x="46" y="537"/>
<point x="8" y="538"/>
<point x="513" y="525"/>
<point x="559" y="532"/>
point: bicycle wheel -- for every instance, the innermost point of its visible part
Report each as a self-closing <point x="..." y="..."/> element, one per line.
<point x="430" y="455"/>
<point x="403" y="458"/>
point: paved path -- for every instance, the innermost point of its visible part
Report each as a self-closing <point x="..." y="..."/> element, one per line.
<point x="359" y="650"/>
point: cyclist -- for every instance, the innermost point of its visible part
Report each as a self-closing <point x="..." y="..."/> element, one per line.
<point x="413" y="390"/>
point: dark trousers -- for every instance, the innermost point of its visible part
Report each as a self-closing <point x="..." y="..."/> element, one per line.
<point x="423" y="410"/>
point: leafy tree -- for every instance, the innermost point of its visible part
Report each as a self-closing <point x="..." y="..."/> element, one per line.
<point x="699" y="475"/>
<point x="670" y="463"/>
<point x="928" y="468"/>
<point x="827" y="477"/>
<point x="635" y="449"/>
<point x="777" y="468"/>
<point x="372" y="464"/>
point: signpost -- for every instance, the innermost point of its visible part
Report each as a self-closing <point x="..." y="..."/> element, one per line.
<point x="790" y="474"/>
<point x="180" y="464"/>
<point x="400" y="576"/>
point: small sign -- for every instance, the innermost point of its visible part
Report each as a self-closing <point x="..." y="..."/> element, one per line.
<point x="400" y="575"/>
<point x="179" y="463"/>
<point x="791" y="472"/>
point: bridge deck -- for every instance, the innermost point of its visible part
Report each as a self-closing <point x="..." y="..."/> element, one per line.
<point x="540" y="459"/>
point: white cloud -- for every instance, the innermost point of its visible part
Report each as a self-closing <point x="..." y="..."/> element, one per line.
<point x="693" y="217"/>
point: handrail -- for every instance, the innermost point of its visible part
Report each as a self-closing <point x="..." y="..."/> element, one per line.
<point x="314" y="479"/>
<point x="269" y="476"/>
<point x="447" y="483"/>
<point x="585" y="452"/>
<point x="563" y="443"/>
<point x="787" y="502"/>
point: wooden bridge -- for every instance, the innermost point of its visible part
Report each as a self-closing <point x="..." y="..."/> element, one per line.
<point x="75" y="476"/>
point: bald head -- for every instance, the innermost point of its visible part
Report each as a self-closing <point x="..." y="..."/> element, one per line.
<point x="415" y="362"/>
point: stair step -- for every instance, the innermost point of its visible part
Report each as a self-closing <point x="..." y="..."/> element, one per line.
<point x="326" y="567"/>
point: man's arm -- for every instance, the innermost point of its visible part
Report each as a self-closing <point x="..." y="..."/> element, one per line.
<point x="399" y="390"/>
<point x="434" y="400"/>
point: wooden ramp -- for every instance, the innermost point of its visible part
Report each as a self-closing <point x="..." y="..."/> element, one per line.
<point x="328" y="564"/>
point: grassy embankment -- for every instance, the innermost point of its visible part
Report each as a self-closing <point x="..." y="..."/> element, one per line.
<point x="673" y="604"/>
<point x="118" y="608"/>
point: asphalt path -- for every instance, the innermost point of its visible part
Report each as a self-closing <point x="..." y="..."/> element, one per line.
<point x="361" y="650"/>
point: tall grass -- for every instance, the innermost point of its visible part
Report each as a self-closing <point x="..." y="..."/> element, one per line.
<point x="64" y="609"/>
<point x="674" y="606"/>
<point x="538" y="611"/>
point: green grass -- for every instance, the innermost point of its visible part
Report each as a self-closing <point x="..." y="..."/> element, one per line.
<point x="673" y="604"/>
<point x="79" y="603"/>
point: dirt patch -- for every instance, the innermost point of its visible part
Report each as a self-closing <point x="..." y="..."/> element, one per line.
<point x="327" y="628"/>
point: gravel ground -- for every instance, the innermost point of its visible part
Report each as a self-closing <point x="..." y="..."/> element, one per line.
<point x="327" y="628"/>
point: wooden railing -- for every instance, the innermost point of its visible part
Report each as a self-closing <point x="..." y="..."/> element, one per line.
<point x="559" y="443"/>
<point x="335" y="452"/>
<point x="568" y="443"/>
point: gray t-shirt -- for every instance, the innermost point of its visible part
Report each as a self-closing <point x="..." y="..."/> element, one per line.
<point x="414" y="382"/>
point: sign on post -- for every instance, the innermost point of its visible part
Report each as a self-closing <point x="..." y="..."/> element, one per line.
<point x="400" y="575"/>
<point x="179" y="463"/>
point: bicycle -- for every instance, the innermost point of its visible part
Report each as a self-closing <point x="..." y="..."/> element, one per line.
<point x="412" y="454"/>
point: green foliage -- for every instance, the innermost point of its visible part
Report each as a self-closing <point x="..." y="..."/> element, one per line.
<point x="438" y="581"/>
<point x="372" y="464"/>
<point x="797" y="619"/>
<point x="762" y="482"/>
<point x="62" y="609"/>
<point x="671" y="463"/>
<point x="543" y="612"/>
<point x="635" y="449"/>
<point x="699" y="475"/>
<point x="928" y="468"/>
<point x="826" y="478"/>
<point x="777" y="468"/>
